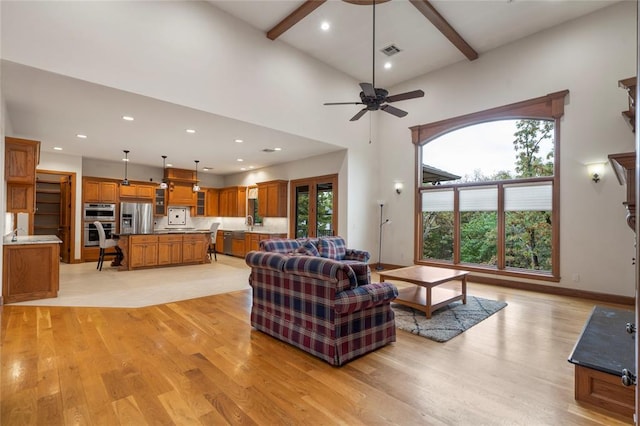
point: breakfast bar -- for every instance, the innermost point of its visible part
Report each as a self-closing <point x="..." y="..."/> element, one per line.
<point x="164" y="248"/>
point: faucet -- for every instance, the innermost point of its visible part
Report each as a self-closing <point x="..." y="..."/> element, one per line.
<point x="250" y="222"/>
<point x="14" y="234"/>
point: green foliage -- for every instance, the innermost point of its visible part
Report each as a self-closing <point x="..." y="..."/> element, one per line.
<point x="478" y="237"/>
<point x="438" y="235"/>
<point x="529" y="136"/>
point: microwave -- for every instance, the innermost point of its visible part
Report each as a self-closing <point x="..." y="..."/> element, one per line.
<point x="101" y="212"/>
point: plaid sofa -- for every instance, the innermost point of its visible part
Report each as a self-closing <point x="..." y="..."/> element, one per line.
<point x="319" y="304"/>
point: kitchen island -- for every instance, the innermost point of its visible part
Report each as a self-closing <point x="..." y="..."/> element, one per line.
<point x="30" y="268"/>
<point x="164" y="248"/>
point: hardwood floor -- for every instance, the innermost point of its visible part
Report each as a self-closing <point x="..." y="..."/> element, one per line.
<point x="199" y="362"/>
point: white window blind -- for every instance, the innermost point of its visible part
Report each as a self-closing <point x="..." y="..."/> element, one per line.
<point x="479" y="199"/>
<point x="437" y="201"/>
<point x="530" y="197"/>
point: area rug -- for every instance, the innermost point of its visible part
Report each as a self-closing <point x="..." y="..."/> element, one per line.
<point x="446" y="322"/>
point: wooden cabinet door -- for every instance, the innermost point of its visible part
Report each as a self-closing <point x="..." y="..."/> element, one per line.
<point x="188" y="251"/>
<point x="169" y="249"/>
<point x="219" y="241"/>
<point x="181" y="194"/>
<point x="137" y="255"/>
<point x="91" y="191"/>
<point x="213" y="203"/>
<point x="145" y="191"/>
<point x="108" y="192"/>
<point x="20" y="198"/>
<point x="151" y="254"/>
<point x="237" y="248"/>
<point x="272" y="198"/>
<point x="127" y="191"/>
<point x="160" y="205"/>
<point x="201" y="203"/>
<point x="21" y="159"/>
<point x="242" y="202"/>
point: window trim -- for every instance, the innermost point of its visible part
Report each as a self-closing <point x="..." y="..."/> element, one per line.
<point x="549" y="107"/>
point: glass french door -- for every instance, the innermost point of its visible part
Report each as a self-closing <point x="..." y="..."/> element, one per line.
<point x="314" y="206"/>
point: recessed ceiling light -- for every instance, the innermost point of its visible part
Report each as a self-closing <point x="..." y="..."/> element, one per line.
<point x="57" y="148"/>
<point x="251" y="167"/>
<point x="240" y="160"/>
<point x="238" y="141"/>
<point x="190" y="131"/>
<point x="169" y="165"/>
<point x="127" y="118"/>
<point x="205" y="169"/>
<point x="243" y="168"/>
<point x="81" y="136"/>
<point x="387" y="65"/>
<point x="277" y="149"/>
<point x="325" y="26"/>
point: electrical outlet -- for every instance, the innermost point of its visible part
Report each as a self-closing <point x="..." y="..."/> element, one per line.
<point x="575" y="277"/>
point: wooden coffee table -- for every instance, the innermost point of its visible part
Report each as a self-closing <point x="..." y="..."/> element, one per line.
<point x="426" y="296"/>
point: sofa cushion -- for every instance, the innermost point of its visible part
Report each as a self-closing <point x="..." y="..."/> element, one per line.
<point x="332" y="248"/>
<point x="308" y="249"/>
<point x="361" y="269"/>
<point x="279" y="245"/>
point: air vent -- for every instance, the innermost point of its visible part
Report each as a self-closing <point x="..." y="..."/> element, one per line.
<point x="390" y="50"/>
<point x="268" y="150"/>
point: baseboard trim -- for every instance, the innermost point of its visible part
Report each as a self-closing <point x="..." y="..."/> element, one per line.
<point x="540" y="288"/>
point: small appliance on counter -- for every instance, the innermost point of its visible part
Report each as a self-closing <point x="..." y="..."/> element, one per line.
<point x="136" y="218"/>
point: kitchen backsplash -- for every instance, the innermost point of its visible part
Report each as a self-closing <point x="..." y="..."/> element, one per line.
<point x="270" y="224"/>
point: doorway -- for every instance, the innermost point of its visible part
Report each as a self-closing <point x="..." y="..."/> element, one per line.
<point x="55" y="204"/>
<point x="314" y="204"/>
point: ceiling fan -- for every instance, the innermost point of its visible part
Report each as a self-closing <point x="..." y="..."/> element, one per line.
<point x="375" y="98"/>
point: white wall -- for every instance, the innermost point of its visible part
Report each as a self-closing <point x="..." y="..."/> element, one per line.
<point x="587" y="56"/>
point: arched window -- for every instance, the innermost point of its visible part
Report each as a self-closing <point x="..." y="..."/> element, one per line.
<point x="488" y="190"/>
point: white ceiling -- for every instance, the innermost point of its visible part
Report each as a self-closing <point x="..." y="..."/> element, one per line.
<point x="50" y="107"/>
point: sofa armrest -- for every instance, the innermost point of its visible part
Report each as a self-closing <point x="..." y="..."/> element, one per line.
<point x="266" y="260"/>
<point x="332" y="271"/>
<point x="359" y="255"/>
<point x="364" y="296"/>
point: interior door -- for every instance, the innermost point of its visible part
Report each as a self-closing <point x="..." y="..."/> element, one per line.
<point x="64" y="227"/>
<point x="314" y="202"/>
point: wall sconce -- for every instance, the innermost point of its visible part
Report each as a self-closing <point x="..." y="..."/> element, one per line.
<point x="595" y="171"/>
<point x="398" y="186"/>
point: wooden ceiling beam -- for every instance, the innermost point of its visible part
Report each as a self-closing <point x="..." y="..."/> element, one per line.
<point x="294" y="17"/>
<point x="445" y="28"/>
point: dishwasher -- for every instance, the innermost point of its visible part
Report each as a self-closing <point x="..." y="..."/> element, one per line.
<point x="226" y="242"/>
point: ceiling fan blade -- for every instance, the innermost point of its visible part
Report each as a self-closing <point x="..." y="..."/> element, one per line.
<point x="405" y="96"/>
<point x="393" y="110"/>
<point x="343" y="103"/>
<point x="368" y="90"/>
<point x="359" y="114"/>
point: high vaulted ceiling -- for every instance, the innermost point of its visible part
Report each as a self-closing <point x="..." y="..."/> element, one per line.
<point x="48" y="107"/>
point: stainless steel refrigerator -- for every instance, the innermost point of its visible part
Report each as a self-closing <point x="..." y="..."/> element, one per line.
<point x="136" y="218"/>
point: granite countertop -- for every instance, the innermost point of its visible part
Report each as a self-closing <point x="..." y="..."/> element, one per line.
<point x="31" y="239"/>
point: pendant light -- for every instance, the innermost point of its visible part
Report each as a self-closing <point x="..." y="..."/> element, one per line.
<point x="163" y="184"/>
<point x="196" y="187"/>
<point x="125" y="182"/>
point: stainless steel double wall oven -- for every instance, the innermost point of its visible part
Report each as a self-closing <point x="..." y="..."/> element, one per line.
<point x="105" y="214"/>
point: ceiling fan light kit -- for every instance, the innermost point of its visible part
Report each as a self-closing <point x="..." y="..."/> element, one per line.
<point x="375" y="98"/>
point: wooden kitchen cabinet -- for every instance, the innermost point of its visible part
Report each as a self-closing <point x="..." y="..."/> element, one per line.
<point x="160" y="204"/>
<point x="138" y="191"/>
<point x="213" y="204"/>
<point x="220" y="241"/>
<point x="20" y="198"/>
<point x="201" y="203"/>
<point x="238" y="247"/>
<point x="233" y="201"/>
<point x="251" y="241"/>
<point x="30" y="271"/>
<point x="181" y="194"/>
<point x="169" y="249"/>
<point x="99" y="191"/>
<point x="194" y="247"/>
<point x="143" y="250"/>
<point x="21" y="159"/>
<point x="272" y="198"/>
